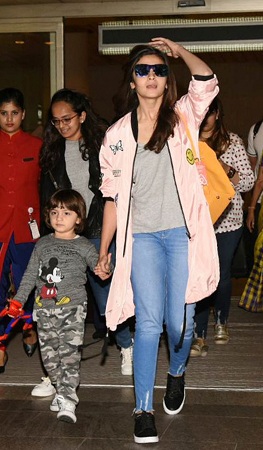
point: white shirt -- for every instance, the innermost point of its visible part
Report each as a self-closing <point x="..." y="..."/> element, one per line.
<point x="255" y="149"/>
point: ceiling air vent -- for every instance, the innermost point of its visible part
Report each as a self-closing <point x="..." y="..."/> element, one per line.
<point x="211" y="35"/>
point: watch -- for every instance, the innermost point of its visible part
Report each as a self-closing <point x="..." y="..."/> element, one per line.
<point x="231" y="172"/>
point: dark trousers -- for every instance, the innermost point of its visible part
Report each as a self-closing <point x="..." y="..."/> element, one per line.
<point x="221" y="298"/>
<point x="15" y="264"/>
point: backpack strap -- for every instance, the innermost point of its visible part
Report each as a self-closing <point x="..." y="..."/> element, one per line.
<point x="256" y="128"/>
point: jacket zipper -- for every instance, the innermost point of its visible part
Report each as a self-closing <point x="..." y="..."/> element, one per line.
<point x="129" y="208"/>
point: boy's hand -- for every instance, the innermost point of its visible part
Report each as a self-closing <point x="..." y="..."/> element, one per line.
<point x="104" y="267"/>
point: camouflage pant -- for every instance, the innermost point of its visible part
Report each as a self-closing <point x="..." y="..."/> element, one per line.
<point x="60" y="332"/>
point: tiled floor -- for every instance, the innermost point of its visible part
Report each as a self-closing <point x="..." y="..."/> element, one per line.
<point x="210" y="420"/>
<point x="221" y="414"/>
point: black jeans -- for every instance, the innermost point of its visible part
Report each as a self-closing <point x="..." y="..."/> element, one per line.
<point x="227" y="243"/>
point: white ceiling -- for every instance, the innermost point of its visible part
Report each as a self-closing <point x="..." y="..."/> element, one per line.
<point x="43" y="2"/>
<point x="134" y="7"/>
<point x="86" y="15"/>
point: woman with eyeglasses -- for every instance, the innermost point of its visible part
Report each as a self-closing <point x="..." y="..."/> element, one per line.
<point x="70" y="159"/>
<point x="231" y="152"/>
<point x="166" y="247"/>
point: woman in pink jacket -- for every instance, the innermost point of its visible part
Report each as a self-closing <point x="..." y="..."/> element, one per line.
<point x="166" y="249"/>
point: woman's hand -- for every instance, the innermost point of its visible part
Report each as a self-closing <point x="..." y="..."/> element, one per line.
<point x="194" y="63"/>
<point x="167" y="46"/>
<point x="103" y="268"/>
<point x="235" y="178"/>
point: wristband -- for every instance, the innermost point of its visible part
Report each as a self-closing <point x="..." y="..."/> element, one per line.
<point x="231" y="172"/>
<point x="251" y="207"/>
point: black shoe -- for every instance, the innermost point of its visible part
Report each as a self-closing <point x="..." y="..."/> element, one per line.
<point x="99" y="334"/>
<point x="144" y="430"/>
<point x="29" y="348"/>
<point x="174" y="398"/>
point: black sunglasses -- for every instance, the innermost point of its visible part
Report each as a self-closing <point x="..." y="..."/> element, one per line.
<point x="142" y="70"/>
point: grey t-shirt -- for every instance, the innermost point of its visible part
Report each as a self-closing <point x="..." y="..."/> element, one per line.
<point x="57" y="268"/>
<point x="155" y="201"/>
<point x="78" y="171"/>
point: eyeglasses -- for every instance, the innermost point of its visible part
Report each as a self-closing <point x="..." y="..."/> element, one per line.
<point x="142" y="70"/>
<point x="66" y="121"/>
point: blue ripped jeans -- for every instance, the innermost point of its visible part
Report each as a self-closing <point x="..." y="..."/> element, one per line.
<point x="159" y="280"/>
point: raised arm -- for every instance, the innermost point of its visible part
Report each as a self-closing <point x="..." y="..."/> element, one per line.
<point x="195" y="64"/>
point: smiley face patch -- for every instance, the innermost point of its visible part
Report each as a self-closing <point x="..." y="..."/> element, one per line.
<point x="190" y="156"/>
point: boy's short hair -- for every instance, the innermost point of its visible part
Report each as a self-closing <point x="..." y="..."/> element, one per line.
<point x="71" y="200"/>
<point x="8" y="95"/>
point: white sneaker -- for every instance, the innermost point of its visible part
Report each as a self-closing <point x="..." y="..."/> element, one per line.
<point x="126" y="360"/>
<point x="54" y="405"/>
<point x="43" y="389"/>
<point x="66" y="410"/>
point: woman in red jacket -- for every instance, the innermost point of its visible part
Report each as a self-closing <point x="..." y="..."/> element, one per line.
<point x="19" y="204"/>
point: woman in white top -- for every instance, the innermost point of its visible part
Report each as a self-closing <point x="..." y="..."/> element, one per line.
<point x="231" y="152"/>
<point x="70" y="159"/>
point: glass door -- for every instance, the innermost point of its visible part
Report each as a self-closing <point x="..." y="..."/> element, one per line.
<point x="31" y="55"/>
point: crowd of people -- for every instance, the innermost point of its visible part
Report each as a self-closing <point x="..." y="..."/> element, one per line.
<point x="231" y="152"/>
<point x="111" y="206"/>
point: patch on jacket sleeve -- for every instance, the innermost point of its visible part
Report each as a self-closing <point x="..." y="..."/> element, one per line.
<point x="116" y="173"/>
<point x="190" y="156"/>
<point x="116" y="148"/>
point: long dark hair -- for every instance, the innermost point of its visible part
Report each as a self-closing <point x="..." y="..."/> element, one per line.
<point x="126" y="99"/>
<point x="92" y="129"/>
<point x="219" y="140"/>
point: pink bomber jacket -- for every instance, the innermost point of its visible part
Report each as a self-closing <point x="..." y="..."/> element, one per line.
<point x="117" y="156"/>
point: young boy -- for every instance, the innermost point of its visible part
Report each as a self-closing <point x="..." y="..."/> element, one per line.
<point x="57" y="268"/>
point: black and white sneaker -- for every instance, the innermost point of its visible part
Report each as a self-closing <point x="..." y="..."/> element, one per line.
<point x="174" y="398"/>
<point x="144" y="430"/>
